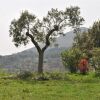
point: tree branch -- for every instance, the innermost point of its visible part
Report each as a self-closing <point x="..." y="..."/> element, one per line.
<point x="33" y="41"/>
<point x="47" y="38"/>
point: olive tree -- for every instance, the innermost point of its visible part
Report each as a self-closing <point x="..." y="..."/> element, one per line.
<point x="29" y="28"/>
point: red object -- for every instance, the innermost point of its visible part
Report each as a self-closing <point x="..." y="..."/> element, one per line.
<point x="83" y="65"/>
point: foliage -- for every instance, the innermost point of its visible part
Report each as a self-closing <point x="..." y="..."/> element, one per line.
<point x="50" y="76"/>
<point x="70" y="58"/>
<point x="96" y="56"/>
<point x="89" y="39"/>
<point x="24" y="75"/>
<point x="56" y="76"/>
<point x="55" y="19"/>
<point x="29" y="28"/>
<point x="96" y="60"/>
<point x="90" y="43"/>
<point x="83" y="41"/>
<point x="94" y="32"/>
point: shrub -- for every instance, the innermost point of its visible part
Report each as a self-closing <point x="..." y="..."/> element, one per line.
<point x="24" y="75"/>
<point x="51" y="76"/>
<point x="97" y="73"/>
<point x="70" y="59"/>
<point x="56" y="75"/>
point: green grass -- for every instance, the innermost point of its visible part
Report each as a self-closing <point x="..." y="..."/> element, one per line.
<point x="75" y="87"/>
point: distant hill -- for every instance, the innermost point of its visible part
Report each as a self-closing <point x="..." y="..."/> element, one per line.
<point x="28" y="59"/>
<point x="67" y="40"/>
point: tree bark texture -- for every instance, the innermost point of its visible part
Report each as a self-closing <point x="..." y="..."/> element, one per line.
<point x="40" y="62"/>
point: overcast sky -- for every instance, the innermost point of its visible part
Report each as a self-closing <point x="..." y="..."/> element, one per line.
<point x="10" y="9"/>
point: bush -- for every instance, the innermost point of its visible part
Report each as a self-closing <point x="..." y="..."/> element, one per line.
<point x="70" y="59"/>
<point x="51" y="76"/>
<point x="24" y="75"/>
<point x="56" y="76"/>
<point x="97" y="73"/>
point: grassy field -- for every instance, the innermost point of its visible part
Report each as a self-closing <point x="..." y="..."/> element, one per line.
<point x="75" y="87"/>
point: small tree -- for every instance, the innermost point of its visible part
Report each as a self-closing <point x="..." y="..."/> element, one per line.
<point x="29" y="28"/>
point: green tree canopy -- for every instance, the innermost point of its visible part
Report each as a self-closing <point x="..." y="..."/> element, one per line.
<point x="90" y="38"/>
<point x="94" y="32"/>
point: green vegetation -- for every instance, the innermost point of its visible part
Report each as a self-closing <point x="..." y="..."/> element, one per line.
<point x="29" y="28"/>
<point x="87" y="43"/>
<point x="88" y="39"/>
<point x="70" y="59"/>
<point x="96" y="60"/>
<point x="75" y="87"/>
<point x="54" y="85"/>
